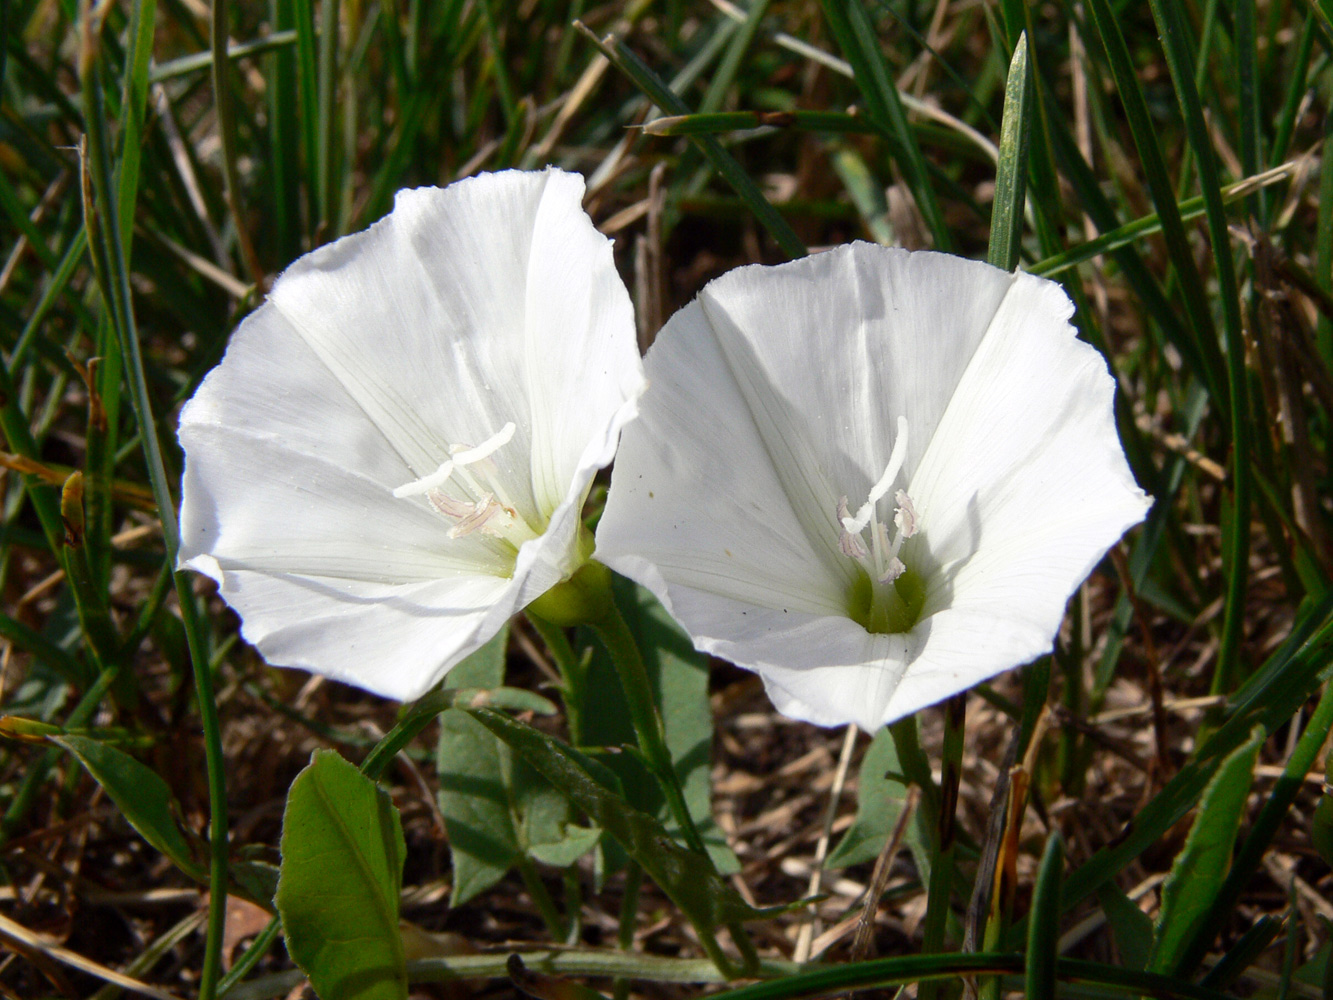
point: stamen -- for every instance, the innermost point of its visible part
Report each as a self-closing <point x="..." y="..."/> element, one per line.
<point x="486" y="515"/>
<point x="894" y="570"/>
<point x="850" y="544"/>
<point x="463" y="455"/>
<point x="904" y="518"/>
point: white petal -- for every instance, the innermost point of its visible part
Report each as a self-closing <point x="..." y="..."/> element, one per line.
<point x="262" y="505"/>
<point x="459" y="312"/>
<point x="582" y="356"/>
<point x="1025" y="484"/>
<point x="375" y="358"/>
<point x="395" y="640"/>
<point x="696" y="493"/>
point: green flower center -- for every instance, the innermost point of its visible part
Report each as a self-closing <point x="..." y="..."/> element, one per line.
<point x="885" y="608"/>
<point x="885" y="596"/>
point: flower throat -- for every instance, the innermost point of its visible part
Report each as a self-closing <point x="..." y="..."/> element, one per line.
<point x="886" y="596"/>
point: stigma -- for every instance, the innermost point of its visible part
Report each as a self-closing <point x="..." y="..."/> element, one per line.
<point x="466" y="490"/>
<point x="880" y="557"/>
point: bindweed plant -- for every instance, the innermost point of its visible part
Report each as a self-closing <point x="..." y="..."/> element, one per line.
<point x="318" y="354"/>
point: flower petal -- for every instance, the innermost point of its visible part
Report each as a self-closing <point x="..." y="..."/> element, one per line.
<point x="775" y="393"/>
<point x="396" y="640"/>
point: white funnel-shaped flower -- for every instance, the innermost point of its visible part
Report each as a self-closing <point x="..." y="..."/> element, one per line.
<point x="874" y="477"/>
<point x="392" y="458"/>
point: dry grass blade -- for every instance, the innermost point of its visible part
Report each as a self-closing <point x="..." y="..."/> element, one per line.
<point x="22" y="938"/>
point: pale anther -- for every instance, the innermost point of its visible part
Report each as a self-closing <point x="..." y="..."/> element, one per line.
<point x="850" y="544"/>
<point x="904" y="518"/>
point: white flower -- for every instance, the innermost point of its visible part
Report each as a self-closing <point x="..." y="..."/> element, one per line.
<point x="392" y="458"/>
<point x="873" y="477"/>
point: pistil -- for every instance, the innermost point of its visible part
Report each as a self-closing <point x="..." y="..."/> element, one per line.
<point x="467" y="490"/>
<point x="887" y="598"/>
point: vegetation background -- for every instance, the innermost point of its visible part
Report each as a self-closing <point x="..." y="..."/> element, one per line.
<point x="151" y="189"/>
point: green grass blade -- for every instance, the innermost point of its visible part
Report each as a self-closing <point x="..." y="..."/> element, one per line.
<point x="735" y="121"/>
<point x="119" y="304"/>
<point x="231" y="177"/>
<point x="855" y="34"/>
<point x="1175" y="41"/>
<point x="307" y="59"/>
<point x="1286" y="122"/>
<point x="1247" y="96"/>
<point x="1130" y="232"/>
<point x="278" y="41"/>
<point x="1270" y="699"/>
<point x="1006" y="228"/>
<point x="284" y="112"/>
<point x="324" y="117"/>
<point x="723" y="162"/>
<point x="731" y="62"/>
<point x="1240" y="956"/>
<point x="1160" y="189"/>
<point x="1039" y="971"/>
<point x="143" y="17"/>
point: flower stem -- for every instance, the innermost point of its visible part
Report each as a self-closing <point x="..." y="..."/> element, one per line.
<point x="940" y="887"/>
<point x="127" y="334"/>
<point x="573" y="673"/>
<point x="619" y="642"/>
<point x="541" y="898"/>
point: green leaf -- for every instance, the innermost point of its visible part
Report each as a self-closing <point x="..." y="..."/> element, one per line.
<point x="140" y="794"/>
<point x="342" y="869"/>
<point x="880" y="796"/>
<point x="1130" y="926"/>
<point x="1006" y="221"/>
<point x="496" y="809"/>
<point x="679" y="677"/>
<point x="1199" y="870"/>
<point x="1044" y="923"/>
<point x="1274" y="693"/>
<point x="684" y="875"/>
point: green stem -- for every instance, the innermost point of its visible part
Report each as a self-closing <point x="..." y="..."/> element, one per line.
<point x="916" y="769"/>
<point x="128" y="339"/>
<point x="573" y="674"/>
<point x="619" y="642"/>
<point x="541" y="898"/>
<point x="629" y="907"/>
<point x="940" y="888"/>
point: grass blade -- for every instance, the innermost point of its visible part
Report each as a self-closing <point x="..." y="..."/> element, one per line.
<point x="1175" y="41"/>
<point x="1044" y="923"/>
<point x="1006" y="228"/>
<point x="1160" y="189"/>
<point x="855" y="35"/>
<point x="723" y="162"/>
